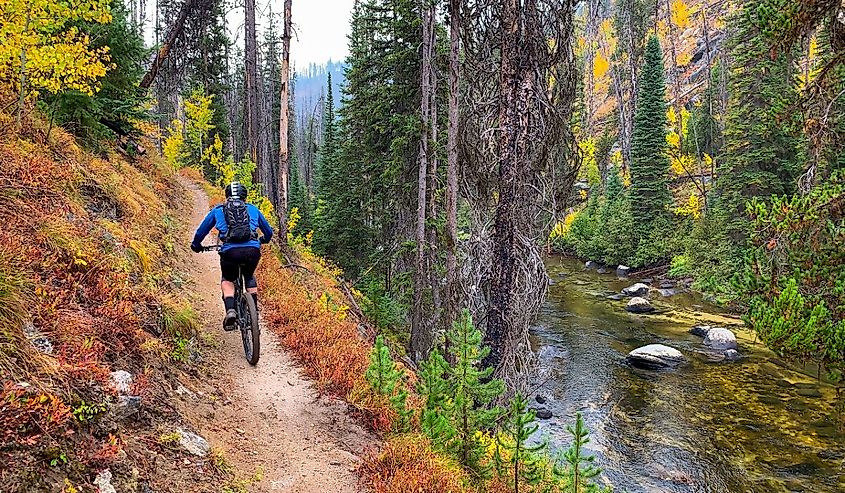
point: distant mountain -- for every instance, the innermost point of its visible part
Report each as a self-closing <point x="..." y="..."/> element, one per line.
<point x="310" y="84"/>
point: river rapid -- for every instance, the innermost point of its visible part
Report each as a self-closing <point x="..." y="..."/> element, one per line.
<point x="753" y="425"/>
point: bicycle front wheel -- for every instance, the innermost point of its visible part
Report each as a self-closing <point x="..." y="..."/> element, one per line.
<point x="250" y="332"/>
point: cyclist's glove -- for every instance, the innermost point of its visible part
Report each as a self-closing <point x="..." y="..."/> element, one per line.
<point x="196" y="248"/>
<point x="263" y="240"/>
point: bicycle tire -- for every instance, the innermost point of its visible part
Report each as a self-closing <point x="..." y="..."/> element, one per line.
<point x="250" y="331"/>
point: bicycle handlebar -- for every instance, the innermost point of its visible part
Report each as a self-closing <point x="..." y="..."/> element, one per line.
<point x="210" y="248"/>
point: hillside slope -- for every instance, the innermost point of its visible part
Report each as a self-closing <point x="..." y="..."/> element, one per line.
<point x="115" y="372"/>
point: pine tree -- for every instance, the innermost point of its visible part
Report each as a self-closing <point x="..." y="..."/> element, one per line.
<point x="434" y="389"/>
<point x="473" y="392"/>
<point x="340" y="232"/>
<point x="762" y="154"/>
<point x="387" y="380"/>
<point x="514" y="457"/>
<point x="576" y="469"/>
<point x="649" y="193"/>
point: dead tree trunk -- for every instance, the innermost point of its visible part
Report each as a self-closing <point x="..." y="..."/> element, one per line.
<point x="284" y="151"/>
<point x="452" y="162"/>
<point x="421" y="337"/>
<point x="188" y="8"/>
<point x="251" y="77"/>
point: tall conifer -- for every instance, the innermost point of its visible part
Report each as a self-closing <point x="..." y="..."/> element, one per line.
<point x="649" y="193"/>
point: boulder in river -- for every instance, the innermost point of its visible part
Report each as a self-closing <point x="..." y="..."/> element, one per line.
<point x="601" y="270"/>
<point x="616" y="297"/>
<point x="666" y="284"/>
<point x="720" y="339"/>
<point x="667" y="292"/>
<point x="590" y="265"/>
<point x="700" y="330"/>
<point x="638" y="289"/>
<point x="542" y="413"/>
<point x="623" y="271"/>
<point x="732" y="355"/>
<point x="656" y="356"/>
<point x="639" y="305"/>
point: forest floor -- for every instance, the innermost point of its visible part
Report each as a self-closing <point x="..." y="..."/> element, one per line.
<point x="273" y="428"/>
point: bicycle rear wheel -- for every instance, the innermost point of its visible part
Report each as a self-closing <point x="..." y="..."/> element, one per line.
<point x="250" y="333"/>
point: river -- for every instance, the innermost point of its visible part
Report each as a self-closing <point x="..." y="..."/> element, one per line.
<point x="754" y="425"/>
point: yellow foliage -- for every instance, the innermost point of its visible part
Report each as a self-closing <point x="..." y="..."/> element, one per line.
<point x="692" y="207"/>
<point x="680" y="14"/>
<point x="600" y="66"/>
<point x="173" y="148"/>
<point x="562" y="227"/>
<point x="55" y="55"/>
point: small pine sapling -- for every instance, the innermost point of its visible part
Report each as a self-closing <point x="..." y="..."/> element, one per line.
<point x="514" y="457"/>
<point x="433" y="388"/>
<point x="575" y="469"/>
<point x="387" y="380"/>
<point x="473" y="392"/>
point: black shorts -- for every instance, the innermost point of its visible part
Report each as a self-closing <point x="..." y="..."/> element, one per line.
<point x="244" y="257"/>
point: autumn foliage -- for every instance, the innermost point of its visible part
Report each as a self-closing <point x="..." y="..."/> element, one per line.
<point x="86" y="287"/>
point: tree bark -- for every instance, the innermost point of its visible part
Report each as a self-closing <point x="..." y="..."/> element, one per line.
<point x="251" y="78"/>
<point x="284" y="151"/>
<point x="452" y="163"/>
<point x="421" y="337"/>
<point x="499" y="322"/>
<point x="175" y="32"/>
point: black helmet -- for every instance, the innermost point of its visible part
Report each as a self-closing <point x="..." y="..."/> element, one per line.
<point x="235" y="189"/>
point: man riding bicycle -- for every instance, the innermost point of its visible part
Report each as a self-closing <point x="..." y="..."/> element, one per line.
<point x="237" y="223"/>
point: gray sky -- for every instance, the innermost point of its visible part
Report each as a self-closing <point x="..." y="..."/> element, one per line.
<point x="320" y="27"/>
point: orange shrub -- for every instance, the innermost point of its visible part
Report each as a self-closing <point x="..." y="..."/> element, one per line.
<point x="407" y="464"/>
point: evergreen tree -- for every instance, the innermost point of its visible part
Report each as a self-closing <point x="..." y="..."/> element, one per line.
<point x="473" y="392"/>
<point x="649" y="193"/>
<point x="340" y="232"/>
<point x="387" y="380"/>
<point x="514" y="457"/>
<point x="576" y="469"/>
<point x="762" y="153"/>
<point x="434" y="389"/>
<point x="119" y="103"/>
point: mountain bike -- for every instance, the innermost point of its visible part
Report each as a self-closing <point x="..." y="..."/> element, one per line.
<point x="247" y="321"/>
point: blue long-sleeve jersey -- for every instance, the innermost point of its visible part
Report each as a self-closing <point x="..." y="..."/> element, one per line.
<point x="216" y="219"/>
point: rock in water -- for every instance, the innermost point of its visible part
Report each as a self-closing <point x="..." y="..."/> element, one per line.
<point x="121" y="381"/>
<point x="540" y="399"/>
<point x="638" y="289"/>
<point x="622" y="271"/>
<point x="700" y="330"/>
<point x="639" y="305"/>
<point x="542" y="413"/>
<point x="194" y="443"/>
<point x="732" y="355"/>
<point x="720" y="339"/>
<point x="616" y="297"/>
<point x="601" y="270"/>
<point x="590" y="265"/>
<point x="656" y="356"/>
<point x="103" y="482"/>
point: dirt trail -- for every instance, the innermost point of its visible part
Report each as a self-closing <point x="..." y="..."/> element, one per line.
<point x="267" y="419"/>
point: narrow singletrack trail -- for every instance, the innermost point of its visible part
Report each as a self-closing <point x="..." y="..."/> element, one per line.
<point x="268" y="420"/>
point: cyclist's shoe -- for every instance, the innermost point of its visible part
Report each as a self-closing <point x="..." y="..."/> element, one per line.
<point x="230" y="322"/>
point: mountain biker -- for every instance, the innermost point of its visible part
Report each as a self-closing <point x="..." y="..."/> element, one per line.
<point x="237" y="223"/>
